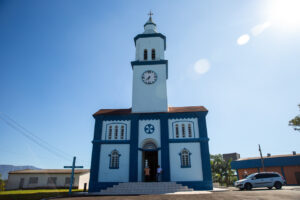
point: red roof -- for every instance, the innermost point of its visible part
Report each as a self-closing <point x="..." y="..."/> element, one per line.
<point x="170" y="110"/>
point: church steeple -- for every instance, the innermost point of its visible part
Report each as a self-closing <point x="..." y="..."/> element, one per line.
<point x="148" y="41"/>
<point x="150" y="26"/>
<point x="150" y="71"/>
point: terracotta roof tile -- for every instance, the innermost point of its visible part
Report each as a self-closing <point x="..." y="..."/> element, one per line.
<point x="113" y="112"/>
<point x="266" y="157"/>
<point x="187" y="109"/>
<point x="49" y="171"/>
<point x="171" y="110"/>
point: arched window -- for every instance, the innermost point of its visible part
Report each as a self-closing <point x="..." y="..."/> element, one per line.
<point x="190" y="130"/>
<point x="122" y="132"/>
<point x="114" y="159"/>
<point x="183" y="130"/>
<point x="109" y="132"/>
<point x="176" y="131"/>
<point x="145" y="54"/>
<point x="116" y="132"/>
<point x="185" y="158"/>
<point x="153" y="54"/>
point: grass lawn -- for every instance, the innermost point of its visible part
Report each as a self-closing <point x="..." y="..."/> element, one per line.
<point x="34" y="194"/>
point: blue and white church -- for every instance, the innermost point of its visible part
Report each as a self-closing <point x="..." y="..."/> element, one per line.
<point x="150" y="133"/>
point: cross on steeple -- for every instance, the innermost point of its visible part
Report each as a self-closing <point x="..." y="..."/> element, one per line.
<point x="150" y="14"/>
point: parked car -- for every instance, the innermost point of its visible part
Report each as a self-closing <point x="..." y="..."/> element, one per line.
<point x="263" y="179"/>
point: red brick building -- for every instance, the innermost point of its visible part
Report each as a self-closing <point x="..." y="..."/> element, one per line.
<point x="287" y="165"/>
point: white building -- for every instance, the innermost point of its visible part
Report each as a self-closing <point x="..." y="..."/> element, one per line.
<point x="47" y="178"/>
<point x="150" y="133"/>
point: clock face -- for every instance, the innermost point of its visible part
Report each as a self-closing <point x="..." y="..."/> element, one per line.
<point x="149" y="77"/>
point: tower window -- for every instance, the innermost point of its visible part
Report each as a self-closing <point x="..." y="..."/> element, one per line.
<point x="190" y="130"/>
<point x="116" y="132"/>
<point x="145" y="54"/>
<point x="183" y="130"/>
<point x="153" y="54"/>
<point x="176" y="131"/>
<point x="109" y="132"/>
<point x="122" y="132"/>
<point x="114" y="160"/>
<point x="185" y="158"/>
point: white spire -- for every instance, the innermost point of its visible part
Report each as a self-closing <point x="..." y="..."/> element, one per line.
<point x="150" y="26"/>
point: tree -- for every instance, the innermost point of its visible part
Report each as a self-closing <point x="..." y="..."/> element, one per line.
<point x="221" y="170"/>
<point x="2" y="184"/>
<point x="295" y="122"/>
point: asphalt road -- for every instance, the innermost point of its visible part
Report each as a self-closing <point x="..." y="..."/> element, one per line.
<point x="233" y="194"/>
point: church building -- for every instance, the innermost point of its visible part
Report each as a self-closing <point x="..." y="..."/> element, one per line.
<point x="150" y="134"/>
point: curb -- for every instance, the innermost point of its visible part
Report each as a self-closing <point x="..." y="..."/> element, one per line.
<point x="219" y="190"/>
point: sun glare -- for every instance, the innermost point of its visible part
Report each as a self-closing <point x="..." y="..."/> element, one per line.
<point x="243" y="39"/>
<point x="202" y="66"/>
<point x="284" y="14"/>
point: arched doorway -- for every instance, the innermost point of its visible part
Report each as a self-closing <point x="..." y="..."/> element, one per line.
<point x="150" y="161"/>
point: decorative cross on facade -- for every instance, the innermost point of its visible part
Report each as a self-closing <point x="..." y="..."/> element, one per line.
<point x="150" y="14"/>
<point x="72" y="174"/>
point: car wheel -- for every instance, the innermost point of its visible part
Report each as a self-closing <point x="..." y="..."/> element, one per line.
<point x="248" y="186"/>
<point x="241" y="189"/>
<point x="278" y="185"/>
<point x="270" y="188"/>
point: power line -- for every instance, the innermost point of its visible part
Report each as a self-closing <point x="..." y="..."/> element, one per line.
<point x="35" y="136"/>
<point x="35" y="139"/>
<point x="31" y="136"/>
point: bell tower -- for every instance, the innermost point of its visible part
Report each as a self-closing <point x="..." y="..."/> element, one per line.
<point x="150" y="71"/>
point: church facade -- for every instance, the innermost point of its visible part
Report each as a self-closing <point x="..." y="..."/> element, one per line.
<point x="150" y="134"/>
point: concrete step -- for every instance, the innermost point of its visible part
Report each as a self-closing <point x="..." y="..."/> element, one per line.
<point x="152" y="186"/>
<point x="145" y="188"/>
<point x="149" y="184"/>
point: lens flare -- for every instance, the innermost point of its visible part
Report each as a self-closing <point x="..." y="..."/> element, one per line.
<point x="243" y="39"/>
<point x="284" y="14"/>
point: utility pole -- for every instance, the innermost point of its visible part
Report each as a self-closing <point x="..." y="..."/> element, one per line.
<point x="262" y="159"/>
<point x="72" y="174"/>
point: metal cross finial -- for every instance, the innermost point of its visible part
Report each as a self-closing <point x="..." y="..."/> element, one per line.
<point x="150" y="14"/>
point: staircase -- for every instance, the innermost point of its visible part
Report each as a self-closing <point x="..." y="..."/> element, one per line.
<point x="145" y="188"/>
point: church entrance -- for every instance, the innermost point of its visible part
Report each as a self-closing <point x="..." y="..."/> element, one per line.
<point x="150" y="162"/>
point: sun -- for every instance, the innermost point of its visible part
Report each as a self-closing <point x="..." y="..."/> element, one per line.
<point x="284" y="14"/>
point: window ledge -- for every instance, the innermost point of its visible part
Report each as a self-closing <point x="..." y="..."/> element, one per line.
<point x="186" y="166"/>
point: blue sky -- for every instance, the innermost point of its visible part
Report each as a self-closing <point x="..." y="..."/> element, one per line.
<point x="61" y="61"/>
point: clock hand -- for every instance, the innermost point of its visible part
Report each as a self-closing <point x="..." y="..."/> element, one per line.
<point x="148" y="78"/>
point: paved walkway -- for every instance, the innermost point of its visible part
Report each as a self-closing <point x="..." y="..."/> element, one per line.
<point x="286" y="193"/>
<point x="174" y="193"/>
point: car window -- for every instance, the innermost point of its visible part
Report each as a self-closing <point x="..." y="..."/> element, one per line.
<point x="268" y="175"/>
<point x="259" y="176"/>
<point x="250" y="176"/>
<point x="274" y="175"/>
